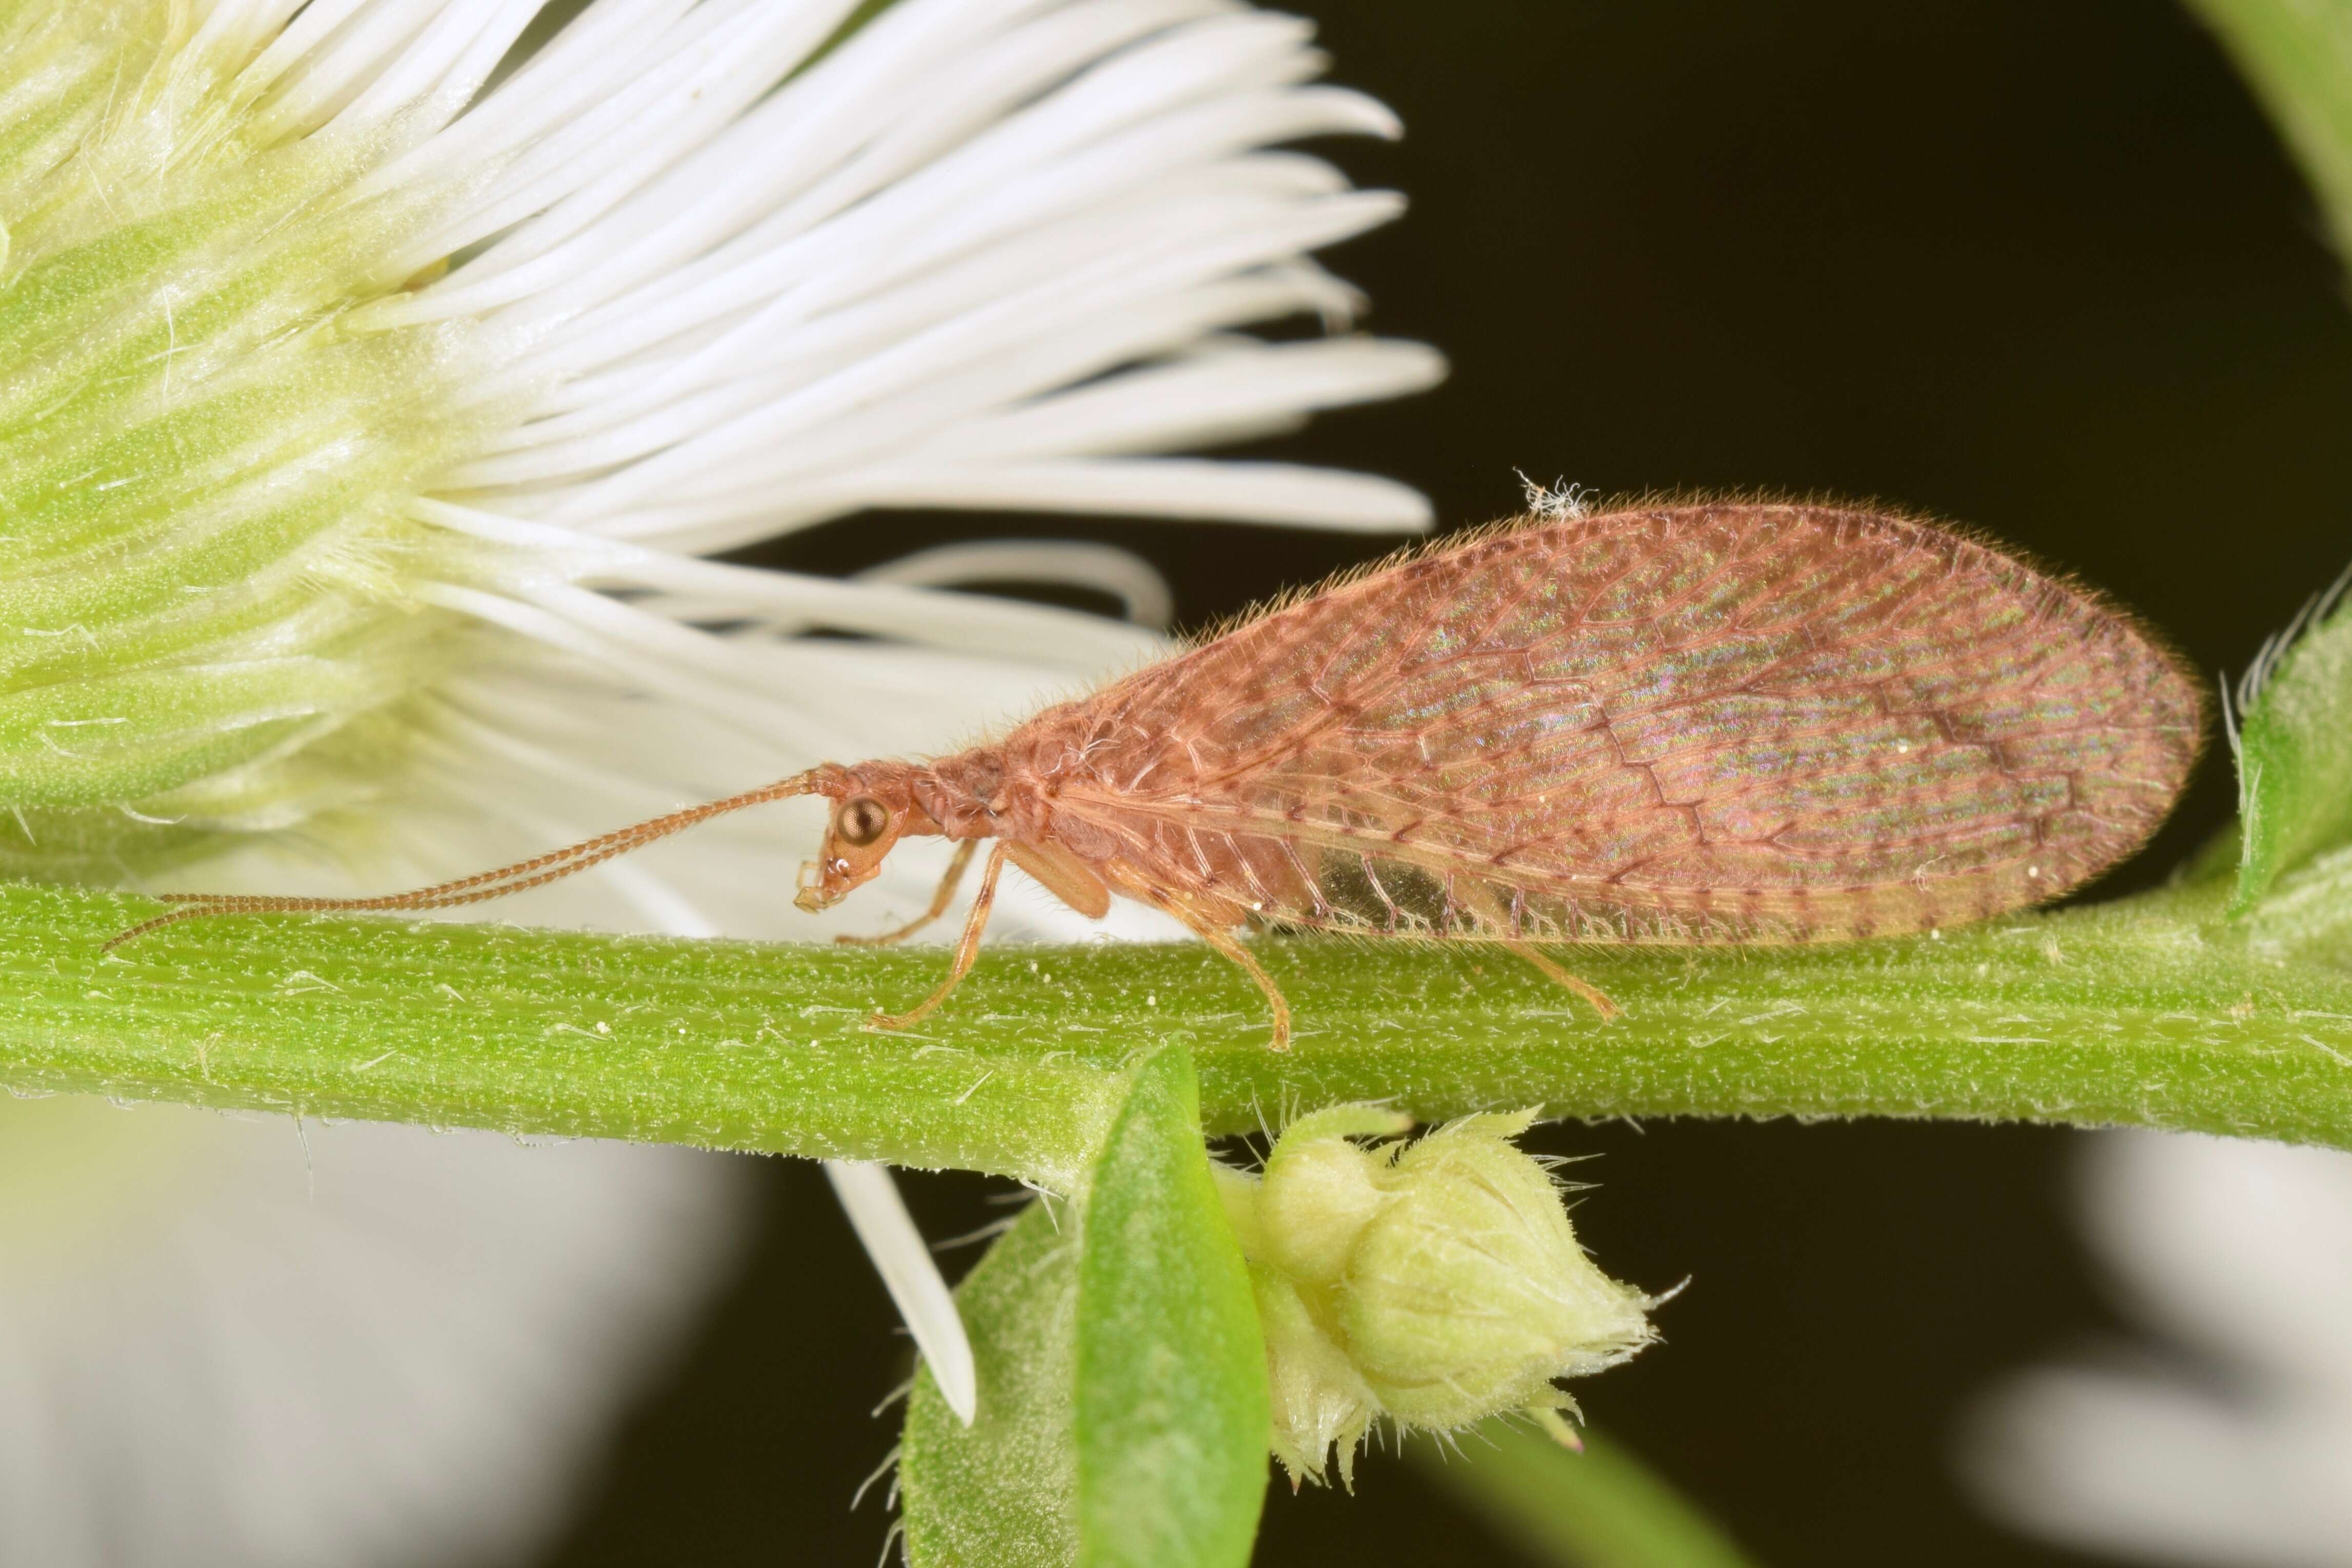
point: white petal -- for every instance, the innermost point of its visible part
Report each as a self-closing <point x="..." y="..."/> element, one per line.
<point x="704" y="74"/>
<point x="879" y="1216"/>
<point x="782" y="603"/>
<point x="1225" y="397"/>
<point x="574" y="618"/>
<point x="1188" y="487"/>
<point x="2167" y="1473"/>
<point x="363" y="1344"/>
<point x="849" y="110"/>
<point x="1207" y="399"/>
<point x="972" y="339"/>
<point x="718" y="375"/>
<point x="449" y="62"/>
<point x="363" y="63"/>
<point x="1144" y="593"/>
<point x="235" y="28"/>
<point x="2240" y="1248"/>
<point x="884" y="193"/>
<point x="987" y="202"/>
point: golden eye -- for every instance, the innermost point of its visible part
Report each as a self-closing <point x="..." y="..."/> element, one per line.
<point x="862" y="821"/>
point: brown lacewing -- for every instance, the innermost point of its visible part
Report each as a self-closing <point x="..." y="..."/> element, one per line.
<point x="1711" y="723"/>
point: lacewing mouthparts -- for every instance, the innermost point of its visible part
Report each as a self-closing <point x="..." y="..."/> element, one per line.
<point x="1712" y="723"/>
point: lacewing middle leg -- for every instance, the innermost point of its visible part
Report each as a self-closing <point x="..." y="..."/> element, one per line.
<point x="1226" y="943"/>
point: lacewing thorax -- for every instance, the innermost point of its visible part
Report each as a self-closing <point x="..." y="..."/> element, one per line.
<point x="1709" y="722"/>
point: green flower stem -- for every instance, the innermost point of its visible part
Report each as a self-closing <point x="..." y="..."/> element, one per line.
<point x="1600" y="1509"/>
<point x="2157" y="1011"/>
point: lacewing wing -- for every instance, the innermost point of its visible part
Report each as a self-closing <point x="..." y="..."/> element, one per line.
<point x="1747" y="722"/>
<point x="1715" y="723"/>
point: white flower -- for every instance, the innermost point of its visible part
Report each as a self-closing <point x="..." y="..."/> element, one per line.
<point x="366" y="401"/>
<point x="224" y="1342"/>
<point x="2233" y="1444"/>
<point x="292" y="504"/>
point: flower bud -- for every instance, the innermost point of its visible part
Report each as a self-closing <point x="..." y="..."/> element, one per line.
<point x="1435" y="1283"/>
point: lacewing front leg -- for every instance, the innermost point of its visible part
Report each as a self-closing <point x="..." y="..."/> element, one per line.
<point x="940" y="899"/>
<point x="966" y="949"/>
<point x="1060" y="872"/>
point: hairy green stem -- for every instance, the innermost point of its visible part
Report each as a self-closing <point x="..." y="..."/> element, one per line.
<point x="2159" y="1011"/>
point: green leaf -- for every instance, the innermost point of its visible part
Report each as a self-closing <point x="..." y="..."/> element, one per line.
<point x="2294" y="750"/>
<point x="1003" y="1493"/>
<point x="1600" y="1509"/>
<point x="2298" y="54"/>
<point x="1123" y="1407"/>
<point x="1173" y="1406"/>
<point x="2295" y="754"/>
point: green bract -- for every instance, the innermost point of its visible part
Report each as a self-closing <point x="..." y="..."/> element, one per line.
<point x="213" y="602"/>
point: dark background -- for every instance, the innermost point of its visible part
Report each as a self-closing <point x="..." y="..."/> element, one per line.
<point x="2040" y="267"/>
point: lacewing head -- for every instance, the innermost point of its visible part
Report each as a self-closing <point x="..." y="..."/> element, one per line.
<point x="873" y="808"/>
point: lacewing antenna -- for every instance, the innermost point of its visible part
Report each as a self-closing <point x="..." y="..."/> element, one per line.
<point x="482" y="887"/>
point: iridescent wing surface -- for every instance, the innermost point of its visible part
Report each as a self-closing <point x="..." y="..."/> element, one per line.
<point x="1747" y="722"/>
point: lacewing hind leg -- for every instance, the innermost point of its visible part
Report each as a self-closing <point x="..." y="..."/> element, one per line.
<point x="1561" y="977"/>
<point x="1499" y="912"/>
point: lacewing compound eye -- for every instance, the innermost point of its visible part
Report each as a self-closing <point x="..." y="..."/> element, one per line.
<point x="863" y="820"/>
<point x="1716" y="723"/>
